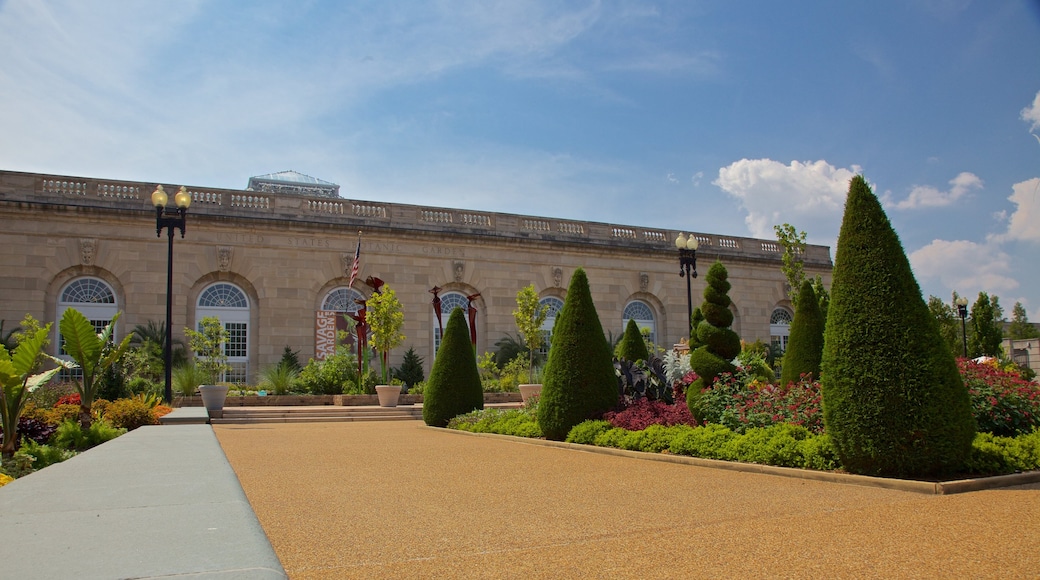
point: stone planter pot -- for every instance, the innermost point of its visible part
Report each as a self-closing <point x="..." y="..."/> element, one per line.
<point x="213" y="399"/>
<point x="388" y="395"/>
<point x="528" y="391"/>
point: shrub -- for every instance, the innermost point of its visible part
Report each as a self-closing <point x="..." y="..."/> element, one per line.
<point x="329" y="376"/>
<point x="642" y="379"/>
<point x="893" y="401"/>
<point x="71" y="435"/>
<point x="706" y="441"/>
<point x="42" y="455"/>
<point x="61" y="413"/>
<point x="578" y="381"/>
<point x="632" y="347"/>
<point x="411" y="370"/>
<point x="586" y="432"/>
<point x="130" y="414"/>
<point x="993" y="454"/>
<point x="805" y="344"/>
<point x="742" y="401"/>
<point x="141" y="385"/>
<point x="454" y="384"/>
<point x="642" y="413"/>
<point x="279" y="378"/>
<point x="70" y="399"/>
<point x="516" y="422"/>
<point x="187" y="378"/>
<point x="1002" y="402"/>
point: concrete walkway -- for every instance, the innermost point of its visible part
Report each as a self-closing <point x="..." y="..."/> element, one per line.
<point x="399" y="500"/>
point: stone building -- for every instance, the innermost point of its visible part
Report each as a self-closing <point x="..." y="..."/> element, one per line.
<point x="274" y="261"/>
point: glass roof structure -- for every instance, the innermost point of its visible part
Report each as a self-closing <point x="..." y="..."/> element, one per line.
<point x="294" y="183"/>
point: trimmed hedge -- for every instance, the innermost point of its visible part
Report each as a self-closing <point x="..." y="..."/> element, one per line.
<point x="805" y="344"/>
<point x="578" y="381"/>
<point x="893" y="400"/>
<point x="632" y="346"/>
<point x="454" y="385"/>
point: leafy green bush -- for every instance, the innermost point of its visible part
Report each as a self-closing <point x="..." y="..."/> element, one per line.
<point x="578" y="381"/>
<point x="330" y="376"/>
<point x="186" y="379"/>
<point x="142" y="385"/>
<point x="993" y="454"/>
<point x="516" y="422"/>
<point x="893" y="400"/>
<point x="71" y="435"/>
<point x="1003" y="403"/>
<point x="130" y="414"/>
<point x="43" y="455"/>
<point x="586" y="432"/>
<point x="278" y="379"/>
<point x="454" y="384"/>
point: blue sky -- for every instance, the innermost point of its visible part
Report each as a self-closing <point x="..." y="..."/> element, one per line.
<point x="723" y="117"/>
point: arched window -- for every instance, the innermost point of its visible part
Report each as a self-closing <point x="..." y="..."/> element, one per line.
<point x="449" y="301"/>
<point x="554" y="305"/>
<point x="94" y="299"/>
<point x="644" y="317"/>
<point x="342" y="300"/>
<point x="779" y="330"/>
<point x="229" y="303"/>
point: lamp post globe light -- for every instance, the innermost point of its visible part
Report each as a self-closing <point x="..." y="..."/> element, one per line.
<point x="962" y="311"/>
<point x="170" y="219"/>
<point x="688" y="268"/>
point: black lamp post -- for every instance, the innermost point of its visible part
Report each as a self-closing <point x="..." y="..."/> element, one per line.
<point x="169" y="219"/>
<point x="962" y="311"/>
<point x="688" y="269"/>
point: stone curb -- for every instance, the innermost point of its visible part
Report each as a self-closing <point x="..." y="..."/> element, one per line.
<point x="925" y="487"/>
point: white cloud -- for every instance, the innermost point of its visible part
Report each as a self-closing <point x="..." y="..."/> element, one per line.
<point x="1024" y="223"/>
<point x="964" y="266"/>
<point x="810" y="195"/>
<point x="925" y="196"/>
<point x="696" y="178"/>
<point x="1031" y="114"/>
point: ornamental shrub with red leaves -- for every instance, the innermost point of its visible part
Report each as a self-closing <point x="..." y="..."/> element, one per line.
<point x="641" y="413"/>
<point x="742" y="401"/>
<point x="72" y="399"/>
<point x="33" y="429"/>
<point x="1003" y="403"/>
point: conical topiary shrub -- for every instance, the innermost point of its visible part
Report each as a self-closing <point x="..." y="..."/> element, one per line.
<point x="632" y="346"/>
<point x="454" y="385"/>
<point x="893" y="401"/>
<point x="805" y="343"/>
<point x="578" y="380"/>
<point x="719" y="344"/>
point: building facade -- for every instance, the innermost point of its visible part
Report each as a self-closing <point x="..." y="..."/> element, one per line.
<point x="273" y="264"/>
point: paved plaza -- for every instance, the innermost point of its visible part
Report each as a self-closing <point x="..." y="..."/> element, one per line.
<point x="399" y="500"/>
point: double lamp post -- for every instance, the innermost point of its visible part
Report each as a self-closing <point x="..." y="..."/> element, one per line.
<point x="170" y="219"/>
<point x="688" y="269"/>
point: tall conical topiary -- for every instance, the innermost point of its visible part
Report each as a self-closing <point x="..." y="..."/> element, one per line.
<point x="454" y="385"/>
<point x="632" y="346"/>
<point x="578" y="380"/>
<point x="719" y="344"/>
<point x="893" y="400"/>
<point x="805" y="344"/>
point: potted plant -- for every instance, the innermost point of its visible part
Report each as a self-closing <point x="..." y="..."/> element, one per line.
<point x="385" y="320"/>
<point x="208" y="345"/>
<point x="529" y="317"/>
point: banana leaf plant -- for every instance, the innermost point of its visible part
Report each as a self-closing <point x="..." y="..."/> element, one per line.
<point x="88" y="350"/>
<point x="18" y="378"/>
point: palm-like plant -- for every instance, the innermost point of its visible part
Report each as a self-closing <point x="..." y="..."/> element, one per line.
<point x="18" y="378"/>
<point x="88" y="350"/>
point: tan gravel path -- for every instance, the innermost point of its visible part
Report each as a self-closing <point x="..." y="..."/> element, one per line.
<point x="394" y="500"/>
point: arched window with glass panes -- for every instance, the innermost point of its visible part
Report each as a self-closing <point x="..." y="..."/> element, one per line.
<point x="342" y="299"/>
<point x="95" y="300"/>
<point x="643" y="315"/>
<point x="228" y="303"/>
<point x="779" y="330"/>
<point x="554" y="306"/>
<point x="449" y="301"/>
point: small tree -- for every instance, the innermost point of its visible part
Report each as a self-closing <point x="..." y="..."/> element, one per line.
<point x="793" y="258"/>
<point x="208" y="345"/>
<point x="411" y="371"/>
<point x="529" y="317"/>
<point x="385" y="318"/>
<point x="454" y="387"/>
<point x="578" y="381"/>
<point x="805" y="345"/>
<point x="986" y="334"/>
<point x="290" y="359"/>
<point x="18" y="378"/>
<point x="894" y="403"/>
<point x="947" y="320"/>
<point x="90" y="353"/>
<point x="632" y="346"/>
<point x="1020" y="329"/>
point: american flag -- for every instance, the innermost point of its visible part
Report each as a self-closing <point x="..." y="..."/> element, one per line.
<point x="357" y="261"/>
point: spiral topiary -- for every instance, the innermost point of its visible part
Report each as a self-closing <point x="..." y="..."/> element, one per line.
<point x="719" y="344"/>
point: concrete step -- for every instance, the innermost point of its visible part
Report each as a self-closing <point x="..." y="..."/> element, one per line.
<point x="313" y="414"/>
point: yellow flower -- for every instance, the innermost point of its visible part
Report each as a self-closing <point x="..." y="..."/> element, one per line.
<point x="5" y="479"/>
